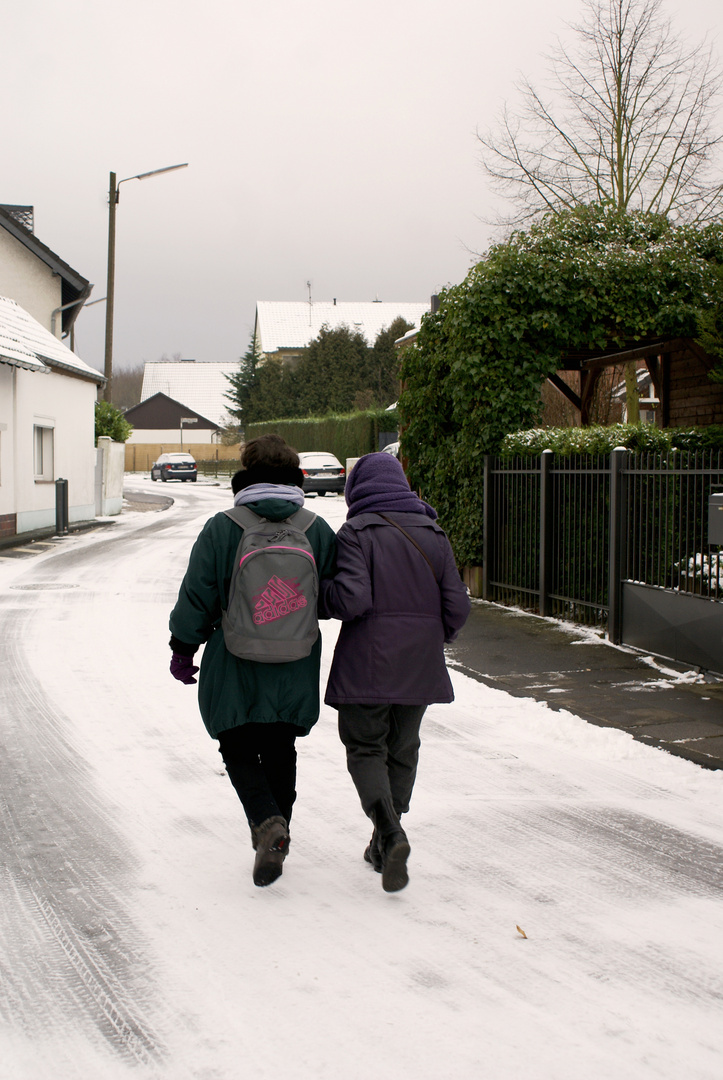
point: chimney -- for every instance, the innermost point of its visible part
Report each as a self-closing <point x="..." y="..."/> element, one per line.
<point x="434" y="303"/>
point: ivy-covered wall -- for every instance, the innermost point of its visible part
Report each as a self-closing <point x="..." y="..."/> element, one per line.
<point x="582" y="279"/>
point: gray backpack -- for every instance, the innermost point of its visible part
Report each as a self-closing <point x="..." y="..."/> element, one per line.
<point x="272" y="603"/>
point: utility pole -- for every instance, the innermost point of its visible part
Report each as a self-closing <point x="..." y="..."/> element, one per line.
<point x="110" y="292"/>
<point x="110" y="288"/>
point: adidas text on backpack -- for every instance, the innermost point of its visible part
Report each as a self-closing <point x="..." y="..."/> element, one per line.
<point x="272" y="604"/>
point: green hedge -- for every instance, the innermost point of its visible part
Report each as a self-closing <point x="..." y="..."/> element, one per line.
<point x="345" y="436"/>
<point x="596" y="439"/>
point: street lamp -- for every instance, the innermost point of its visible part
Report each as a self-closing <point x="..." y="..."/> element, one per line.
<point x="112" y="203"/>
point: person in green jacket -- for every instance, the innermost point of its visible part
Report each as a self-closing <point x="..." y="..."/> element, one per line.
<point x="256" y="710"/>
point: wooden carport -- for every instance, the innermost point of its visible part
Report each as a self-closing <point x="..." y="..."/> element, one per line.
<point x="679" y="369"/>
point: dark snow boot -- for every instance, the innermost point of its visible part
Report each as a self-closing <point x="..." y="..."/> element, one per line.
<point x="272" y="844"/>
<point x="255" y="836"/>
<point x="372" y="854"/>
<point x="393" y="846"/>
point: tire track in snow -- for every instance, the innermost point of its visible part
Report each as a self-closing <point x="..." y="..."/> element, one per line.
<point x="67" y="949"/>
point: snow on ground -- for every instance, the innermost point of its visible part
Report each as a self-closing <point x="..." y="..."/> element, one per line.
<point x="133" y="942"/>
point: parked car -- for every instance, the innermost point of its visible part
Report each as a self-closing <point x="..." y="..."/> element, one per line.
<point x="174" y="467"/>
<point x="322" y="472"/>
<point x="392" y="448"/>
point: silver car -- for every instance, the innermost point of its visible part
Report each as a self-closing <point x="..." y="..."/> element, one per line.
<point x="322" y="472"/>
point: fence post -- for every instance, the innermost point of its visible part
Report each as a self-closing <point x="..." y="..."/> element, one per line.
<point x="486" y="526"/>
<point x="546" y="459"/>
<point x="615" y="542"/>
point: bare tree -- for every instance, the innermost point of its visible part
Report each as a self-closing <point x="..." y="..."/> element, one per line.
<point x="127" y="386"/>
<point x="628" y="122"/>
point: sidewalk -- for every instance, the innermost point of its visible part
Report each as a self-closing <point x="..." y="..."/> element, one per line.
<point x="658" y="701"/>
<point x="25" y="544"/>
<point x="21" y="545"/>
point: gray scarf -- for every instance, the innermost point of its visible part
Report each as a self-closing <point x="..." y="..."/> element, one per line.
<point x="256" y="492"/>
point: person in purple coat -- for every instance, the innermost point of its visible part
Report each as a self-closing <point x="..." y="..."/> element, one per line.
<point x="399" y="595"/>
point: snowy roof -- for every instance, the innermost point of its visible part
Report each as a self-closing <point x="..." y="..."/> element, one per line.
<point x="201" y="386"/>
<point x="293" y="324"/>
<point x="25" y="343"/>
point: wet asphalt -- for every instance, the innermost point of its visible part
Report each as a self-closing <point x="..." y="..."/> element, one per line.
<point x="658" y="701"/>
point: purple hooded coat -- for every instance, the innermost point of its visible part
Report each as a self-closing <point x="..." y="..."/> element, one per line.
<point x="395" y="616"/>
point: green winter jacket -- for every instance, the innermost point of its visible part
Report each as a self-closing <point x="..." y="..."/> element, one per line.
<point x="232" y="691"/>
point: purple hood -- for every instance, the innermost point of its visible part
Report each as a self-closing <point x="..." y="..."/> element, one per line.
<point x="377" y="484"/>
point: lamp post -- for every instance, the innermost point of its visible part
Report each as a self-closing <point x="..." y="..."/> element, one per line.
<point x="113" y="195"/>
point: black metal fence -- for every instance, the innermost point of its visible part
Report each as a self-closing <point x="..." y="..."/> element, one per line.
<point x="667" y="523"/>
<point x="562" y="533"/>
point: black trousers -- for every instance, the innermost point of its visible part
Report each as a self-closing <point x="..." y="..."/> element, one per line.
<point x="382" y="751"/>
<point x="260" y="760"/>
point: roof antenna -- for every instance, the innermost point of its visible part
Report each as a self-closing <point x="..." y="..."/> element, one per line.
<point x="308" y="285"/>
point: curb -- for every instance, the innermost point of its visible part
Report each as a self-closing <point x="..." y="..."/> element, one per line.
<point x="49" y="533"/>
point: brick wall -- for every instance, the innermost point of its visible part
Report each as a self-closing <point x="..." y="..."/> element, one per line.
<point x="8" y="525"/>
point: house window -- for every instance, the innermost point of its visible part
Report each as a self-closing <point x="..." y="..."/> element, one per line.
<point x="42" y="452"/>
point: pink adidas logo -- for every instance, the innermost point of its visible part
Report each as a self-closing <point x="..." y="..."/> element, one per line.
<point x="278" y="599"/>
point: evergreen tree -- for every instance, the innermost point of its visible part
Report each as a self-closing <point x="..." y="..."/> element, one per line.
<point x="242" y="382"/>
<point x="272" y="395"/>
<point x="384" y="374"/>
<point x="333" y="368"/>
<point x="338" y="372"/>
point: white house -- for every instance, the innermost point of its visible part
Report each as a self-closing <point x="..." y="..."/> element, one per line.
<point x="199" y="385"/>
<point x="47" y="393"/>
<point x="160" y="419"/>
<point x="283" y="329"/>
<point x="47" y="425"/>
<point x="38" y="279"/>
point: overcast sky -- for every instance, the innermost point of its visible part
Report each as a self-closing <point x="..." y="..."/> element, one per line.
<point x="331" y="142"/>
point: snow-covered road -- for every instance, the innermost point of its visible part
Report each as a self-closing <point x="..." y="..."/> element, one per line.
<point x="134" y="944"/>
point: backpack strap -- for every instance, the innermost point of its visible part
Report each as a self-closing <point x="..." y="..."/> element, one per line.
<point x="303" y="519"/>
<point x="243" y="517"/>
<point x="246" y="518"/>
